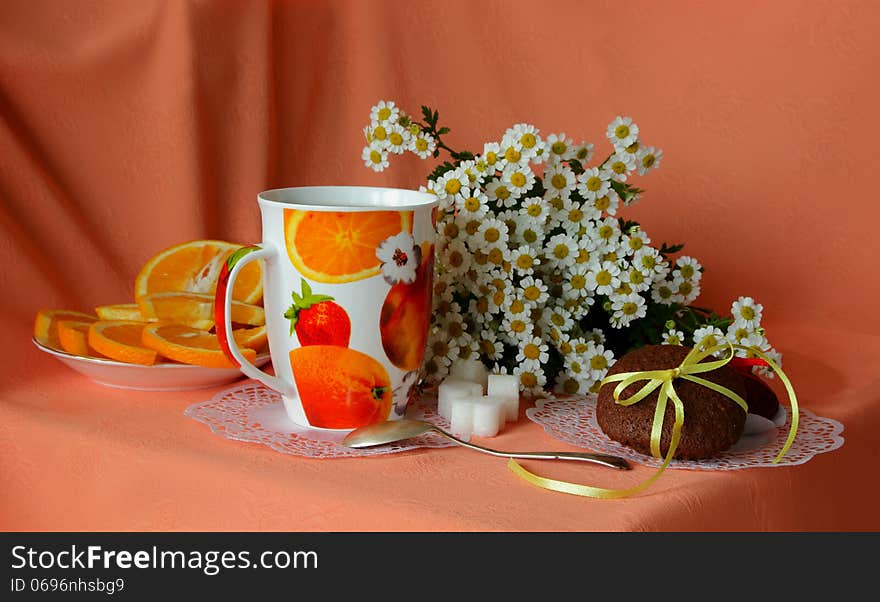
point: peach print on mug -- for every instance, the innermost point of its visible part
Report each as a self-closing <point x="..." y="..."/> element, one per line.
<point x="348" y="280"/>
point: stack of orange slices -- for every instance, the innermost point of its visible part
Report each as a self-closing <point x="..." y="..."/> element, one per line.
<point x="172" y="317"/>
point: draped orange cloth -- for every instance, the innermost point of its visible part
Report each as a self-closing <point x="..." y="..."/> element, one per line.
<point x="128" y="127"/>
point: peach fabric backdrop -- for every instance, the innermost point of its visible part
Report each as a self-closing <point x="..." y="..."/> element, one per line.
<point x="128" y="127"/>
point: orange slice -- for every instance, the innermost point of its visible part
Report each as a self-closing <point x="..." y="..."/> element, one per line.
<point x="194" y="346"/>
<point x="121" y="340"/>
<point x="74" y="337"/>
<point x="120" y="311"/>
<point x="335" y="247"/>
<point x="194" y="267"/>
<point x="195" y="310"/>
<point x="46" y="325"/>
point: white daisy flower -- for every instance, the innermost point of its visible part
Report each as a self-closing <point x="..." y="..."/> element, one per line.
<point x="576" y="284"/>
<point x="398" y="139"/>
<point x="622" y="132"/>
<point x="737" y="332"/>
<point x="633" y="149"/>
<point x="561" y="251"/>
<point x="747" y="312"/>
<point x="492" y="231"/>
<point x="559" y="181"/>
<point x="754" y="340"/>
<point x="516" y="306"/>
<point x="531" y="378"/>
<point x="620" y="165"/>
<point x="663" y="293"/>
<point x="488" y="345"/>
<point x="637" y="279"/>
<point x="533" y="290"/>
<point x="673" y="337"/>
<point x="513" y="152"/>
<point x="766" y="371"/>
<point x="579" y="370"/>
<point x="518" y="178"/>
<point x="423" y="145"/>
<point x="635" y="241"/>
<point x="526" y="135"/>
<point x="377" y="135"/>
<point x="439" y="350"/>
<point x="537" y="209"/>
<point x="494" y="157"/>
<point x="593" y="183"/>
<point x="685" y="291"/>
<point x="603" y="277"/>
<point x="708" y="336"/>
<point x="479" y="310"/>
<point x="400" y="257"/>
<point x="500" y="192"/>
<point x="607" y="203"/>
<point x="687" y="268"/>
<point x="583" y="153"/>
<point x="455" y="258"/>
<point x="596" y="335"/>
<point x="558" y="317"/>
<point x="481" y="168"/>
<point x="598" y="359"/>
<point x="567" y="384"/>
<point x="375" y="159"/>
<point x="515" y="328"/>
<point x="559" y="148"/>
<point x="627" y="308"/>
<point x="532" y="348"/>
<point x="524" y="260"/>
<point x="649" y="260"/>
<point x="385" y="112"/>
<point x="575" y="220"/>
<point x="648" y="159"/>
<point x="527" y="232"/>
<point x="472" y="205"/>
<point x="450" y="183"/>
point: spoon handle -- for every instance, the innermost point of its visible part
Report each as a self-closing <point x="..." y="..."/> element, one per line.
<point x="603" y="459"/>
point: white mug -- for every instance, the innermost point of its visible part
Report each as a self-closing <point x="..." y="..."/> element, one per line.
<point x="347" y="282"/>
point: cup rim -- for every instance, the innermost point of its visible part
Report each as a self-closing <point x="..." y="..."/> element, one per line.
<point x="403" y="198"/>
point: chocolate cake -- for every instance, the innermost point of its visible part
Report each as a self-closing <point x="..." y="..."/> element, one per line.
<point x="712" y="422"/>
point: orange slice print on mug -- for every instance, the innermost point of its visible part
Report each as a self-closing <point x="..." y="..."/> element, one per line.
<point x="337" y="247"/>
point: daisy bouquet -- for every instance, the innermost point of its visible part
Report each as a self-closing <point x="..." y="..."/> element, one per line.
<point x="537" y="272"/>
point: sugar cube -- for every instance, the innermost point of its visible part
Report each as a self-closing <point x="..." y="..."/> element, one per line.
<point x="462" y="420"/>
<point x="489" y="413"/>
<point x="453" y="388"/>
<point x="505" y="387"/>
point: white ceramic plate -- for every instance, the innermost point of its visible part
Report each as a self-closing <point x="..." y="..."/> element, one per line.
<point x="161" y="377"/>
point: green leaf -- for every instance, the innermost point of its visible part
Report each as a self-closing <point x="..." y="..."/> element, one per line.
<point x="576" y="167"/>
<point x="443" y="130"/>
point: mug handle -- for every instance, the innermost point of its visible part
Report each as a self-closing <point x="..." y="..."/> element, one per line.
<point x="223" y="315"/>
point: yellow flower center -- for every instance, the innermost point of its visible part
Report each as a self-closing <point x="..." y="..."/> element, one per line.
<point x="498" y="298"/>
<point x="633" y="148"/>
<point x="452" y="186"/>
<point x="621" y="131"/>
<point x="709" y="341"/>
<point x="602" y="203"/>
<point x="480" y="258"/>
<point x="559" y="148"/>
<point x="624" y="289"/>
<point x="491" y="235"/>
<point x="491" y="158"/>
<point x="472" y="204"/>
<point x="580" y="348"/>
<point x="530" y="236"/>
<point x="687" y="271"/>
<point x="534" y="210"/>
<point x="664" y="292"/>
<point x="414" y="130"/>
<point x="741" y="333"/>
<point x="379" y="133"/>
<point x="594" y="183"/>
<point x="395" y="138"/>
<point x="618" y="167"/>
<point x="575" y="216"/>
<point x="558" y="319"/>
<point x="629" y="308"/>
<point x="578" y="281"/>
<point x="636" y="277"/>
<point x="558" y="181"/>
<point x="450" y="230"/>
<point x="502" y="193"/>
<point x="532" y="293"/>
<point x="557" y="203"/>
<point x="455" y="259"/>
<point x="685" y="289"/>
<point x="610" y="256"/>
<point x="384" y="113"/>
<point x="598" y="362"/>
<point x="528" y="140"/>
<point x="512" y="155"/>
<point x="673" y="340"/>
<point x="421" y="144"/>
<point x="532" y="351"/>
<point x="561" y="251"/>
<point x="636" y="243"/>
<point x="648" y="161"/>
<point x="649" y="262"/>
<point x="454" y="329"/>
<point x="747" y="313"/>
<point x="518" y="179"/>
<point x="487" y="347"/>
<point x="571" y="386"/>
<point x="496" y="256"/>
<point x="440" y="348"/>
<point x="482" y="305"/>
<point x="524" y="261"/>
<point x="583" y="256"/>
<point x="375" y="157"/>
<point x="606" y="232"/>
<point x="517" y="306"/>
<point x="518" y="325"/>
<point x="528" y="379"/>
<point x="565" y="347"/>
<point x="603" y="278"/>
<point x="582" y="153"/>
<point x="471" y="227"/>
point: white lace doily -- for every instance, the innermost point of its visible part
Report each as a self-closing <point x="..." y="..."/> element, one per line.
<point x="252" y="412"/>
<point x="573" y="420"/>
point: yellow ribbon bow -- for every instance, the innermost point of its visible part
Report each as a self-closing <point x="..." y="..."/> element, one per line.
<point x="692" y="364"/>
